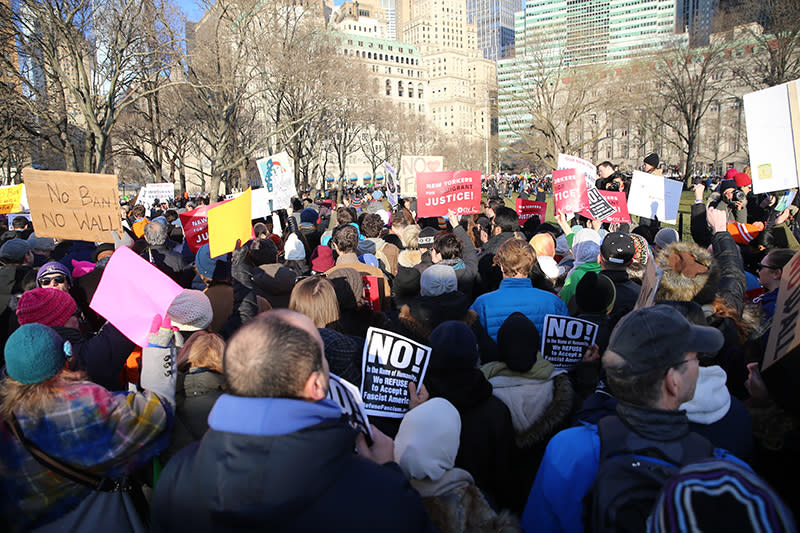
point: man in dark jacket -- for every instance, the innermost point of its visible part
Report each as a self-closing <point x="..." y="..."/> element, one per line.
<point x="284" y="450"/>
<point x="160" y="255"/>
<point x="616" y="254"/>
<point x="504" y="224"/>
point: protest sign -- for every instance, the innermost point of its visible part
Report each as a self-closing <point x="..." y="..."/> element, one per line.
<point x="617" y="201"/>
<point x="441" y="192"/>
<point x="391" y="187"/>
<point x="785" y="201"/>
<point x="10" y="199"/>
<point x="528" y="208"/>
<point x="599" y="207"/>
<point x="195" y="227"/>
<point x="569" y="191"/>
<point x="73" y="205"/>
<point x="389" y="362"/>
<point x="784" y="335"/>
<point x="772" y="118"/>
<point x="410" y="165"/>
<point x="650" y="281"/>
<point x="655" y="197"/>
<point x="131" y="292"/>
<point x="565" y="339"/>
<point x="155" y="192"/>
<point x="229" y="222"/>
<point x="582" y="167"/>
<point x="260" y="206"/>
<point x="12" y="216"/>
<point x="348" y="397"/>
<point x="277" y="174"/>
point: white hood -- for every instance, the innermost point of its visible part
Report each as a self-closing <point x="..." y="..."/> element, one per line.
<point x="711" y="397"/>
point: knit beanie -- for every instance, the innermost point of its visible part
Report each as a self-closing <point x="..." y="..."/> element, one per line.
<point x="453" y="346"/>
<point x="742" y="179"/>
<point x="595" y="293"/>
<point x="652" y="159"/>
<point x="53" y="267"/>
<point x="725" y="185"/>
<point x="731" y="174"/>
<point x="41" y="243"/>
<point x="322" y="259"/>
<point x="102" y="247"/>
<point x="34" y="353"/>
<point x="642" y="249"/>
<point x="437" y="280"/>
<point x="690" y="274"/>
<point x="698" y="493"/>
<point x="518" y="342"/>
<point x="427" y="442"/>
<point x="426" y="236"/>
<point x="308" y="216"/>
<point x="51" y="307"/>
<point x="666" y="236"/>
<point x="190" y="311"/>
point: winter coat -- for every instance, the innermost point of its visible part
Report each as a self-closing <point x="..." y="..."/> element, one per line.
<point x="288" y="465"/>
<point x="516" y="294"/>
<point x="101" y="356"/>
<point x="574" y="276"/>
<point x="343" y="353"/>
<point x="627" y="292"/>
<point x="195" y="394"/>
<point x="489" y="275"/>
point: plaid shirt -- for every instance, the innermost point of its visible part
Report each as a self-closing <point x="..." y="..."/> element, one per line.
<point x="106" y="433"/>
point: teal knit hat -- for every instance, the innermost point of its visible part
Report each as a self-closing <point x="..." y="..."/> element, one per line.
<point x="34" y="353"/>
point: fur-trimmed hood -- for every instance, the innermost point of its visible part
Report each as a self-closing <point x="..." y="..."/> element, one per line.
<point x="466" y="509"/>
<point x="690" y="274"/>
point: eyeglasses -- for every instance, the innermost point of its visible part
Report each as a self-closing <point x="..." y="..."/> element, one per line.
<point x="55" y="280"/>
<point x="685" y="361"/>
<point x="761" y="265"/>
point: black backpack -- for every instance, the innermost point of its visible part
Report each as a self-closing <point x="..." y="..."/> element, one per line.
<point x="631" y="473"/>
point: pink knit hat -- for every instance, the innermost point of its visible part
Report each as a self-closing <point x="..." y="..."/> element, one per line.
<point x="51" y="307"/>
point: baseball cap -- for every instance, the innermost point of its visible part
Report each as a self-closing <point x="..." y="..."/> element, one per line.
<point x="618" y="248"/>
<point x="658" y="337"/>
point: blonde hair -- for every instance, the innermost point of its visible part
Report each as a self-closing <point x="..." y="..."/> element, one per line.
<point x="202" y="350"/>
<point x="315" y="297"/>
<point x="35" y="399"/>
<point x="409" y="237"/>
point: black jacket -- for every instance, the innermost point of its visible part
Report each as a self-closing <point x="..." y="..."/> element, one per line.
<point x="101" y="356"/>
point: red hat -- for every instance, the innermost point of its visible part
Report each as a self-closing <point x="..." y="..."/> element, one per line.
<point x="322" y="259"/>
<point x="731" y="173"/>
<point x="742" y="179"/>
<point x="51" y="307"/>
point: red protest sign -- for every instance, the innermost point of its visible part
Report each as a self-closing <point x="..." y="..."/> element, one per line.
<point x="527" y="208"/>
<point x="619" y="202"/>
<point x="440" y="192"/>
<point x="195" y="227"/>
<point x="569" y="191"/>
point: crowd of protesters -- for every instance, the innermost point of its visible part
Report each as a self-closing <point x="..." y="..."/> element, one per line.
<point x="222" y="422"/>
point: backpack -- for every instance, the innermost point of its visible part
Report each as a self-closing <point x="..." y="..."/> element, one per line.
<point x="630" y="475"/>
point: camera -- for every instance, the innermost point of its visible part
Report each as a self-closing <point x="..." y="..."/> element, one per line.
<point x="739" y="196"/>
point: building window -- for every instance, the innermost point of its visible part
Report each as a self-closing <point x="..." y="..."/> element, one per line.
<point x="410" y="90"/>
<point x="419" y="91"/>
<point x="388" y="88"/>
<point x="399" y="88"/>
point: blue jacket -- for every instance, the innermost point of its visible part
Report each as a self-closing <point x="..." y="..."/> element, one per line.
<point x="282" y="465"/>
<point x="516" y="294"/>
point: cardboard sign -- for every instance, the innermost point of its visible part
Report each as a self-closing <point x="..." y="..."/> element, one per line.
<point x="229" y="222"/>
<point x="581" y="166"/>
<point x="569" y="191"/>
<point x="772" y="118"/>
<point x="131" y="292"/>
<point x="655" y="196"/>
<point x="528" y="208"/>
<point x="277" y="175"/>
<point x="440" y="192"/>
<point x="784" y="335"/>
<point x="391" y="188"/>
<point x="10" y="199"/>
<point x="348" y="397"/>
<point x="410" y="165"/>
<point x="389" y="362"/>
<point x="650" y="281"/>
<point x="565" y="339"/>
<point x="155" y="192"/>
<point x="195" y="227"/>
<point x="73" y="205"/>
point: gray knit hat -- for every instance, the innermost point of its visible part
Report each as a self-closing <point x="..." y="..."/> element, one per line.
<point x="190" y="311"/>
<point x="437" y="280"/>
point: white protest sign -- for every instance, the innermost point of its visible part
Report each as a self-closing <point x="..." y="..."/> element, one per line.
<point x="155" y="191"/>
<point x="565" y="339"/>
<point x="389" y="362"/>
<point x="348" y="397"/>
<point x="259" y="202"/>
<point x="410" y="165"/>
<point x="581" y="166"/>
<point x="772" y="117"/>
<point x="654" y="196"/>
<point x="278" y="177"/>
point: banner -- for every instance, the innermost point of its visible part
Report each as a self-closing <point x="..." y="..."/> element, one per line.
<point x="772" y="118"/>
<point x="195" y="227"/>
<point x="410" y="165"/>
<point x="582" y="167"/>
<point x="277" y="175"/>
<point x="131" y="292"/>
<point x="617" y="201"/>
<point x="229" y="222"/>
<point x="389" y="362"/>
<point x="569" y="191"/>
<point x="654" y="196"/>
<point x="152" y="192"/>
<point x="10" y="199"/>
<point x="565" y="339"/>
<point x="784" y="335"/>
<point x="440" y="192"/>
<point x="73" y="205"/>
<point x="391" y="188"/>
<point x="348" y="397"/>
<point x="527" y="208"/>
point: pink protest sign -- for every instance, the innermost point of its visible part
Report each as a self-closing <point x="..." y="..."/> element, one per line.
<point x="440" y="192"/>
<point x="131" y="292"/>
<point x="527" y="208"/>
<point x="569" y="191"/>
<point x="619" y="202"/>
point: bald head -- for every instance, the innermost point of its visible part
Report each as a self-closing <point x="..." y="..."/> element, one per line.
<point x="273" y="356"/>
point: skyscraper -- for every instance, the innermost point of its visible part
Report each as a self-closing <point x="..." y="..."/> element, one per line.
<point x="494" y="23"/>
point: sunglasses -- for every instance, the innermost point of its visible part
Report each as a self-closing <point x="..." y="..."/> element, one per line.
<point x="55" y="280"/>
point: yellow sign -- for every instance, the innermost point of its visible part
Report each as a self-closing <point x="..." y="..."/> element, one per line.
<point x="228" y="223"/>
<point x="10" y="198"/>
<point x="73" y="205"/>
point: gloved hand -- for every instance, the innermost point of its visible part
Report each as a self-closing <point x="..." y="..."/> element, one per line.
<point x="158" y="360"/>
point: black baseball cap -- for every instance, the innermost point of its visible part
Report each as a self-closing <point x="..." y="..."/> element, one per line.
<point x="618" y="248"/>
